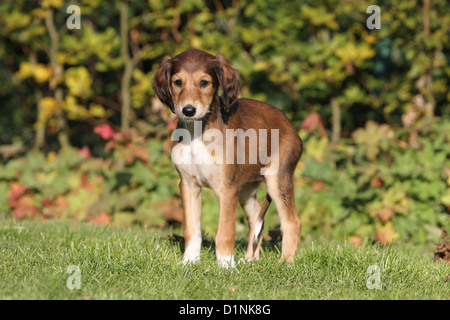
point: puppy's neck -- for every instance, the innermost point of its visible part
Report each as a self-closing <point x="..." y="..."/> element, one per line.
<point x="190" y="125"/>
<point x="212" y="120"/>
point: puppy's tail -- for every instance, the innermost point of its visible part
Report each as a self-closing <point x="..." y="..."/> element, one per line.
<point x="260" y="220"/>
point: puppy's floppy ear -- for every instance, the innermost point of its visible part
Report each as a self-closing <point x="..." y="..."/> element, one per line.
<point x="161" y="83"/>
<point x="228" y="81"/>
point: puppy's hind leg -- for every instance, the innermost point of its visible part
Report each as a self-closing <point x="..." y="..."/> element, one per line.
<point x="281" y="189"/>
<point x="255" y="216"/>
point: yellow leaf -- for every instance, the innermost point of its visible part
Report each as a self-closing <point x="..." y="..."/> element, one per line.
<point x="26" y="70"/>
<point x="52" y="3"/>
<point x="355" y="55"/>
<point x="48" y="108"/>
<point x="78" y="81"/>
<point x="260" y="65"/>
<point x="96" y="110"/>
<point x="51" y="156"/>
<point x="38" y="12"/>
<point x="369" y="38"/>
<point x="42" y="73"/>
<point x="74" y="110"/>
<point x="15" y="20"/>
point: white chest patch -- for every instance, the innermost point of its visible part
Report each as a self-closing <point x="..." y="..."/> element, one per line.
<point x="196" y="160"/>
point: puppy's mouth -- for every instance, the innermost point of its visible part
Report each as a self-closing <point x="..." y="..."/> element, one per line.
<point x="190" y="119"/>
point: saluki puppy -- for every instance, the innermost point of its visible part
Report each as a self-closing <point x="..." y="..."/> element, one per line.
<point x="189" y="84"/>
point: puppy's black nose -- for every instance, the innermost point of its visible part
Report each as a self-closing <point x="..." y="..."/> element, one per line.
<point x="189" y="110"/>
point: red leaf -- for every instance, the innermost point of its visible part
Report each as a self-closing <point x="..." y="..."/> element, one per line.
<point x="85" y="181"/>
<point x="137" y="152"/>
<point x="376" y="182"/>
<point x="105" y="131"/>
<point x="172" y="122"/>
<point x="84" y="152"/>
<point x="56" y="208"/>
<point x="17" y="190"/>
<point x="25" y="206"/>
<point x="101" y="219"/>
<point x="313" y="122"/>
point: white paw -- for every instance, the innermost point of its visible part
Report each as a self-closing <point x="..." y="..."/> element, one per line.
<point x="226" y="262"/>
<point x="187" y="260"/>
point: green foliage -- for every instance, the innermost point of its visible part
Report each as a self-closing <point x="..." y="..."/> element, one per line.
<point x="381" y="94"/>
<point x="124" y="187"/>
<point x="382" y="185"/>
<point x="296" y="55"/>
<point x="377" y="185"/>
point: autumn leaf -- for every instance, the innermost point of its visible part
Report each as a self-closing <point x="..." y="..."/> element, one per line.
<point x="137" y="152"/>
<point x="312" y="123"/>
<point x="376" y="182"/>
<point x="52" y="3"/>
<point x="97" y="110"/>
<point x="101" y="219"/>
<point x="78" y="81"/>
<point x="85" y="153"/>
<point x="385" y="214"/>
<point x="355" y="54"/>
<point x="75" y="110"/>
<point x="17" y="190"/>
<point x="85" y="181"/>
<point x="49" y="108"/>
<point x="442" y="250"/>
<point x="26" y="70"/>
<point x="26" y="206"/>
<point x="105" y="131"/>
<point x="355" y="240"/>
<point x="56" y="207"/>
<point x="42" y="73"/>
<point x="172" y="123"/>
<point x="385" y="234"/>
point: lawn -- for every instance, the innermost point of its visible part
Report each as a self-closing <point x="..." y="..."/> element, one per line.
<point x="134" y="263"/>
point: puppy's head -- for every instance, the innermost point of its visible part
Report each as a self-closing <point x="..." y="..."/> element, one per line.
<point x="188" y="83"/>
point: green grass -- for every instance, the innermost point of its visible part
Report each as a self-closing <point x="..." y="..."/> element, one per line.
<point x="134" y="263"/>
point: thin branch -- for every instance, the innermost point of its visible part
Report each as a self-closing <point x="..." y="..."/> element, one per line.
<point x="128" y="68"/>
<point x="63" y="135"/>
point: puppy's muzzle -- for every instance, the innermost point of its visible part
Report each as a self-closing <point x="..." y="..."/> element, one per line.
<point x="189" y="110"/>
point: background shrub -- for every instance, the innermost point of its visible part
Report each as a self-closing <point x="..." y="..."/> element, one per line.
<point x="83" y="137"/>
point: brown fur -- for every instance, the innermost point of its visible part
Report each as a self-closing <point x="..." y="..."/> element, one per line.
<point x="232" y="183"/>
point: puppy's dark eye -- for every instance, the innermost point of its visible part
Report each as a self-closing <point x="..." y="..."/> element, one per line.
<point x="204" y="83"/>
<point x="178" y="83"/>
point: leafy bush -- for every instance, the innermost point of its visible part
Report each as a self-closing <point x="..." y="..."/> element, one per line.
<point x="381" y="184"/>
<point x="376" y="162"/>
<point x="300" y="56"/>
<point x="135" y="181"/>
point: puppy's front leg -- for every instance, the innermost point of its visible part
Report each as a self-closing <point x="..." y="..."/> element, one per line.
<point x="192" y="201"/>
<point x="228" y="200"/>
